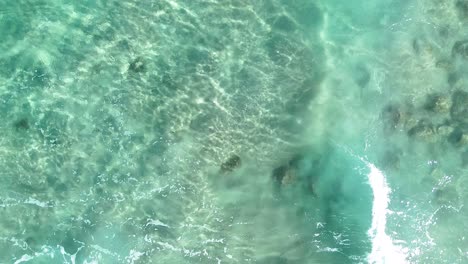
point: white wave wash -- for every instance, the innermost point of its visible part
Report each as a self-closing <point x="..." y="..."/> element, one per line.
<point x="383" y="249"/>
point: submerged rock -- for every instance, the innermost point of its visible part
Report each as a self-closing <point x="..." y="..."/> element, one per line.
<point x="456" y="136"/>
<point x="137" y="65"/>
<point x="231" y="164"/>
<point x="459" y="135"/>
<point x="22" y="124"/>
<point x="290" y="176"/>
<point x="437" y="103"/>
<point x="362" y="76"/>
<point x="298" y="170"/>
<point x="444" y="130"/>
<point x="459" y="109"/>
<point x="278" y="174"/>
<point x="460" y="48"/>
<point x="283" y="175"/>
<point x="295" y="161"/>
<point x="423" y="129"/>
<point x="453" y="78"/>
<point x="391" y="116"/>
<point x="416" y="45"/>
<point x="462" y="7"/>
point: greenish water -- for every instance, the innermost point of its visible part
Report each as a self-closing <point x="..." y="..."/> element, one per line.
<point x="298" y="131"/>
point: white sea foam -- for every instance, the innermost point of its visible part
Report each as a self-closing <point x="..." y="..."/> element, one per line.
<point x="383" y="248"/>
<point x="24" y="258"/>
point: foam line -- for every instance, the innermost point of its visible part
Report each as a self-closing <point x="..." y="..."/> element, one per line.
<point x="383" y="248"/>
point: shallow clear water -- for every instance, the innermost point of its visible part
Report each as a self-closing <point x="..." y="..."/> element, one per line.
<point x="234" y="131"/>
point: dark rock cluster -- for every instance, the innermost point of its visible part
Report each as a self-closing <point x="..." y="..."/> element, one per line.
<point x="231" y="164"/>
<point x="137" y="65"/>
<point x="423" y="129"/>
<point x="437" y="103"/>
<point x="442" y="118"/>
<point x="460" y="48"/>
<point x="299" y="170"/>
<point x="296" y="172"/>
<point x="21" y="124"/>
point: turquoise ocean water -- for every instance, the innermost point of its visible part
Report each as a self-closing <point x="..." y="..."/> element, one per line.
<point x="234" y="131"/>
